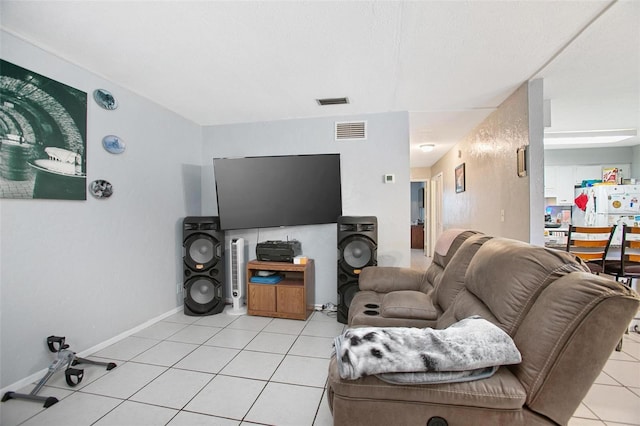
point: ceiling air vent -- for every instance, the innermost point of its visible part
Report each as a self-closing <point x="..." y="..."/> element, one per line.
<point x="332" y="101"/>
<point x="351" y="130"/>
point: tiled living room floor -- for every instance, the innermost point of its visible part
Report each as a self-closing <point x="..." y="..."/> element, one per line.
<point x="232" y="370"/>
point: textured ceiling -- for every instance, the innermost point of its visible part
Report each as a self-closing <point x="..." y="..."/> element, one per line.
<point x="449" y="63"/>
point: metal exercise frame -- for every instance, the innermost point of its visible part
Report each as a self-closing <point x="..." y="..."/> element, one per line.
<point x="66" y="359"/>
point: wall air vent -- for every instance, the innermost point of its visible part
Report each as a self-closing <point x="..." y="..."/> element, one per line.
<point x="351" y="130"/>
<point x="332" y="101"/>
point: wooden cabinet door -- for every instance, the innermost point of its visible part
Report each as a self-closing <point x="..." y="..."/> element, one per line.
<point x="550" y="181"/>
<point x="564" y="185"/>
<point x="291" y="300"/>
<point x="417" y="236"/>
<point x="262" y="297"/>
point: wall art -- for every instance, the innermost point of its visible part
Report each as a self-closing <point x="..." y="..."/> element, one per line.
<point x="521" y="156"/>
<point x="43" y="129"/>
<point x="101" y="188"/>
<point x="460" y="179"/>
<point x="105" y="99"/>
<point x="113" y="144"/>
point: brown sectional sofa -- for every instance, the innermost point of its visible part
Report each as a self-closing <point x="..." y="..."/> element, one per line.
<point x="564" y="320"/>
<point x="392" y="296"/>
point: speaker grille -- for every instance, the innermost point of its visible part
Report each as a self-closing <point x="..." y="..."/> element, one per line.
<point x="358" y="252"/>
<point x="202" y="251"/>
<point x="200" y="223"/>
<point x="357" y="227"/>
<point x="203" y="295"/>
<point x="347" y="293"/>
<point x="345" y="296"/>
<point x="202" y="292"/>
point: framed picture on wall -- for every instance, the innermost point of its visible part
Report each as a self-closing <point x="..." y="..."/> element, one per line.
<point x="522" y="161"/>
<point x="460" y="183"/>
<point x="43" y="137"/>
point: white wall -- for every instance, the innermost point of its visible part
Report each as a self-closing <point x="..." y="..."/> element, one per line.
<point x="591" y="156"/>
<point x="492" y="184"/>
<point x="363" y="164"/>
<point x="635" y="162"/>
<point x="90" y="270"/>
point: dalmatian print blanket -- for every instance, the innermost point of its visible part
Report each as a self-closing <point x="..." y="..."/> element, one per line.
<point x="470" y="349"/>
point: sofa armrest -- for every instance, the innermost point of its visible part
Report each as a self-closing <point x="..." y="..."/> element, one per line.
<point x="408" y="304"/>
<point x="384" y="279"/>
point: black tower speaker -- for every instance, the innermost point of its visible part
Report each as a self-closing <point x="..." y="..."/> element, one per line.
<point x="203" y="265"/>
<point x="357" y="248"/>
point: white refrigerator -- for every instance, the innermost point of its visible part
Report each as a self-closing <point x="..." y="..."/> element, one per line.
<point x="607" y="205"/>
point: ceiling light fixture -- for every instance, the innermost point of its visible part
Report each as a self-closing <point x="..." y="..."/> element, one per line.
<point x="427" y="147"/>
<point x="588" y="137"/>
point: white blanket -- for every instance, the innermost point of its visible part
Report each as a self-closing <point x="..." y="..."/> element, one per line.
<point x="469" y="349"/>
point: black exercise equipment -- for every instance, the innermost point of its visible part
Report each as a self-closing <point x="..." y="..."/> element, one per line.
<point x="64" y="359"/>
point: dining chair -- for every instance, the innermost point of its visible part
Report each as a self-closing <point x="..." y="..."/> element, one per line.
<point x="627" y="267"/>
<point x="591" y="244"/>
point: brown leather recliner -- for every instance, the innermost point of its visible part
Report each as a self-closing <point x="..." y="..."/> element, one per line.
<point x="392" y="296"/>
<point x="564" y="320"/>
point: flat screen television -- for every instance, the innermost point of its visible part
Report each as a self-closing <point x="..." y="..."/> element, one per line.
<point x="286" y="190"/>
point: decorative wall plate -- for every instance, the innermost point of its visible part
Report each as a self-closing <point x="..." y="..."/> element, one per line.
<point x="101" y="188"/>
<point x="113" y="144"/>
<point x="105" y="99"/>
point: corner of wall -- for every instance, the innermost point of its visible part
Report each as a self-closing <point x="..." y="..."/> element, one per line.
<point x="535" y="161"/>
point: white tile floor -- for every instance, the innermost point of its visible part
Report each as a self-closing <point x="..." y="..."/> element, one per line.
<point x="213" y="370"/>
<point x="228" y="370"/>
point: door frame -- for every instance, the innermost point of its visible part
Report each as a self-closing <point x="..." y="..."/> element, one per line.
<point x="435" y="209"/>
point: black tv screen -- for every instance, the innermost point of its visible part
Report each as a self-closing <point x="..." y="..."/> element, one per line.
<point x="287" y="190"/>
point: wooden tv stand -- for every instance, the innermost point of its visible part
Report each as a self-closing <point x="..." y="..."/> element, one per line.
<point x="293" y="297"/>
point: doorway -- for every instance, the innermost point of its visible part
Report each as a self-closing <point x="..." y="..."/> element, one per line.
<point x="419" y="214"/>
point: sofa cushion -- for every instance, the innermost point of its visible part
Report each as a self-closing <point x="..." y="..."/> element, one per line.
<point x="364" y="300"/>
<point x="447" y="245"/>
<point x="408" y="304"/>
<point x="503" y="280"/>
<point x="452" y="279"/>
<point x="383" y="279"/>
<point x="369" y="318"/>
<point x="365" y="308"/>
<point x="501" y="391"/>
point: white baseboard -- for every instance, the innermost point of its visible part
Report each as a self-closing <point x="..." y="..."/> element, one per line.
<point x="128" y="333"/>
<point x="35" y="377"/>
